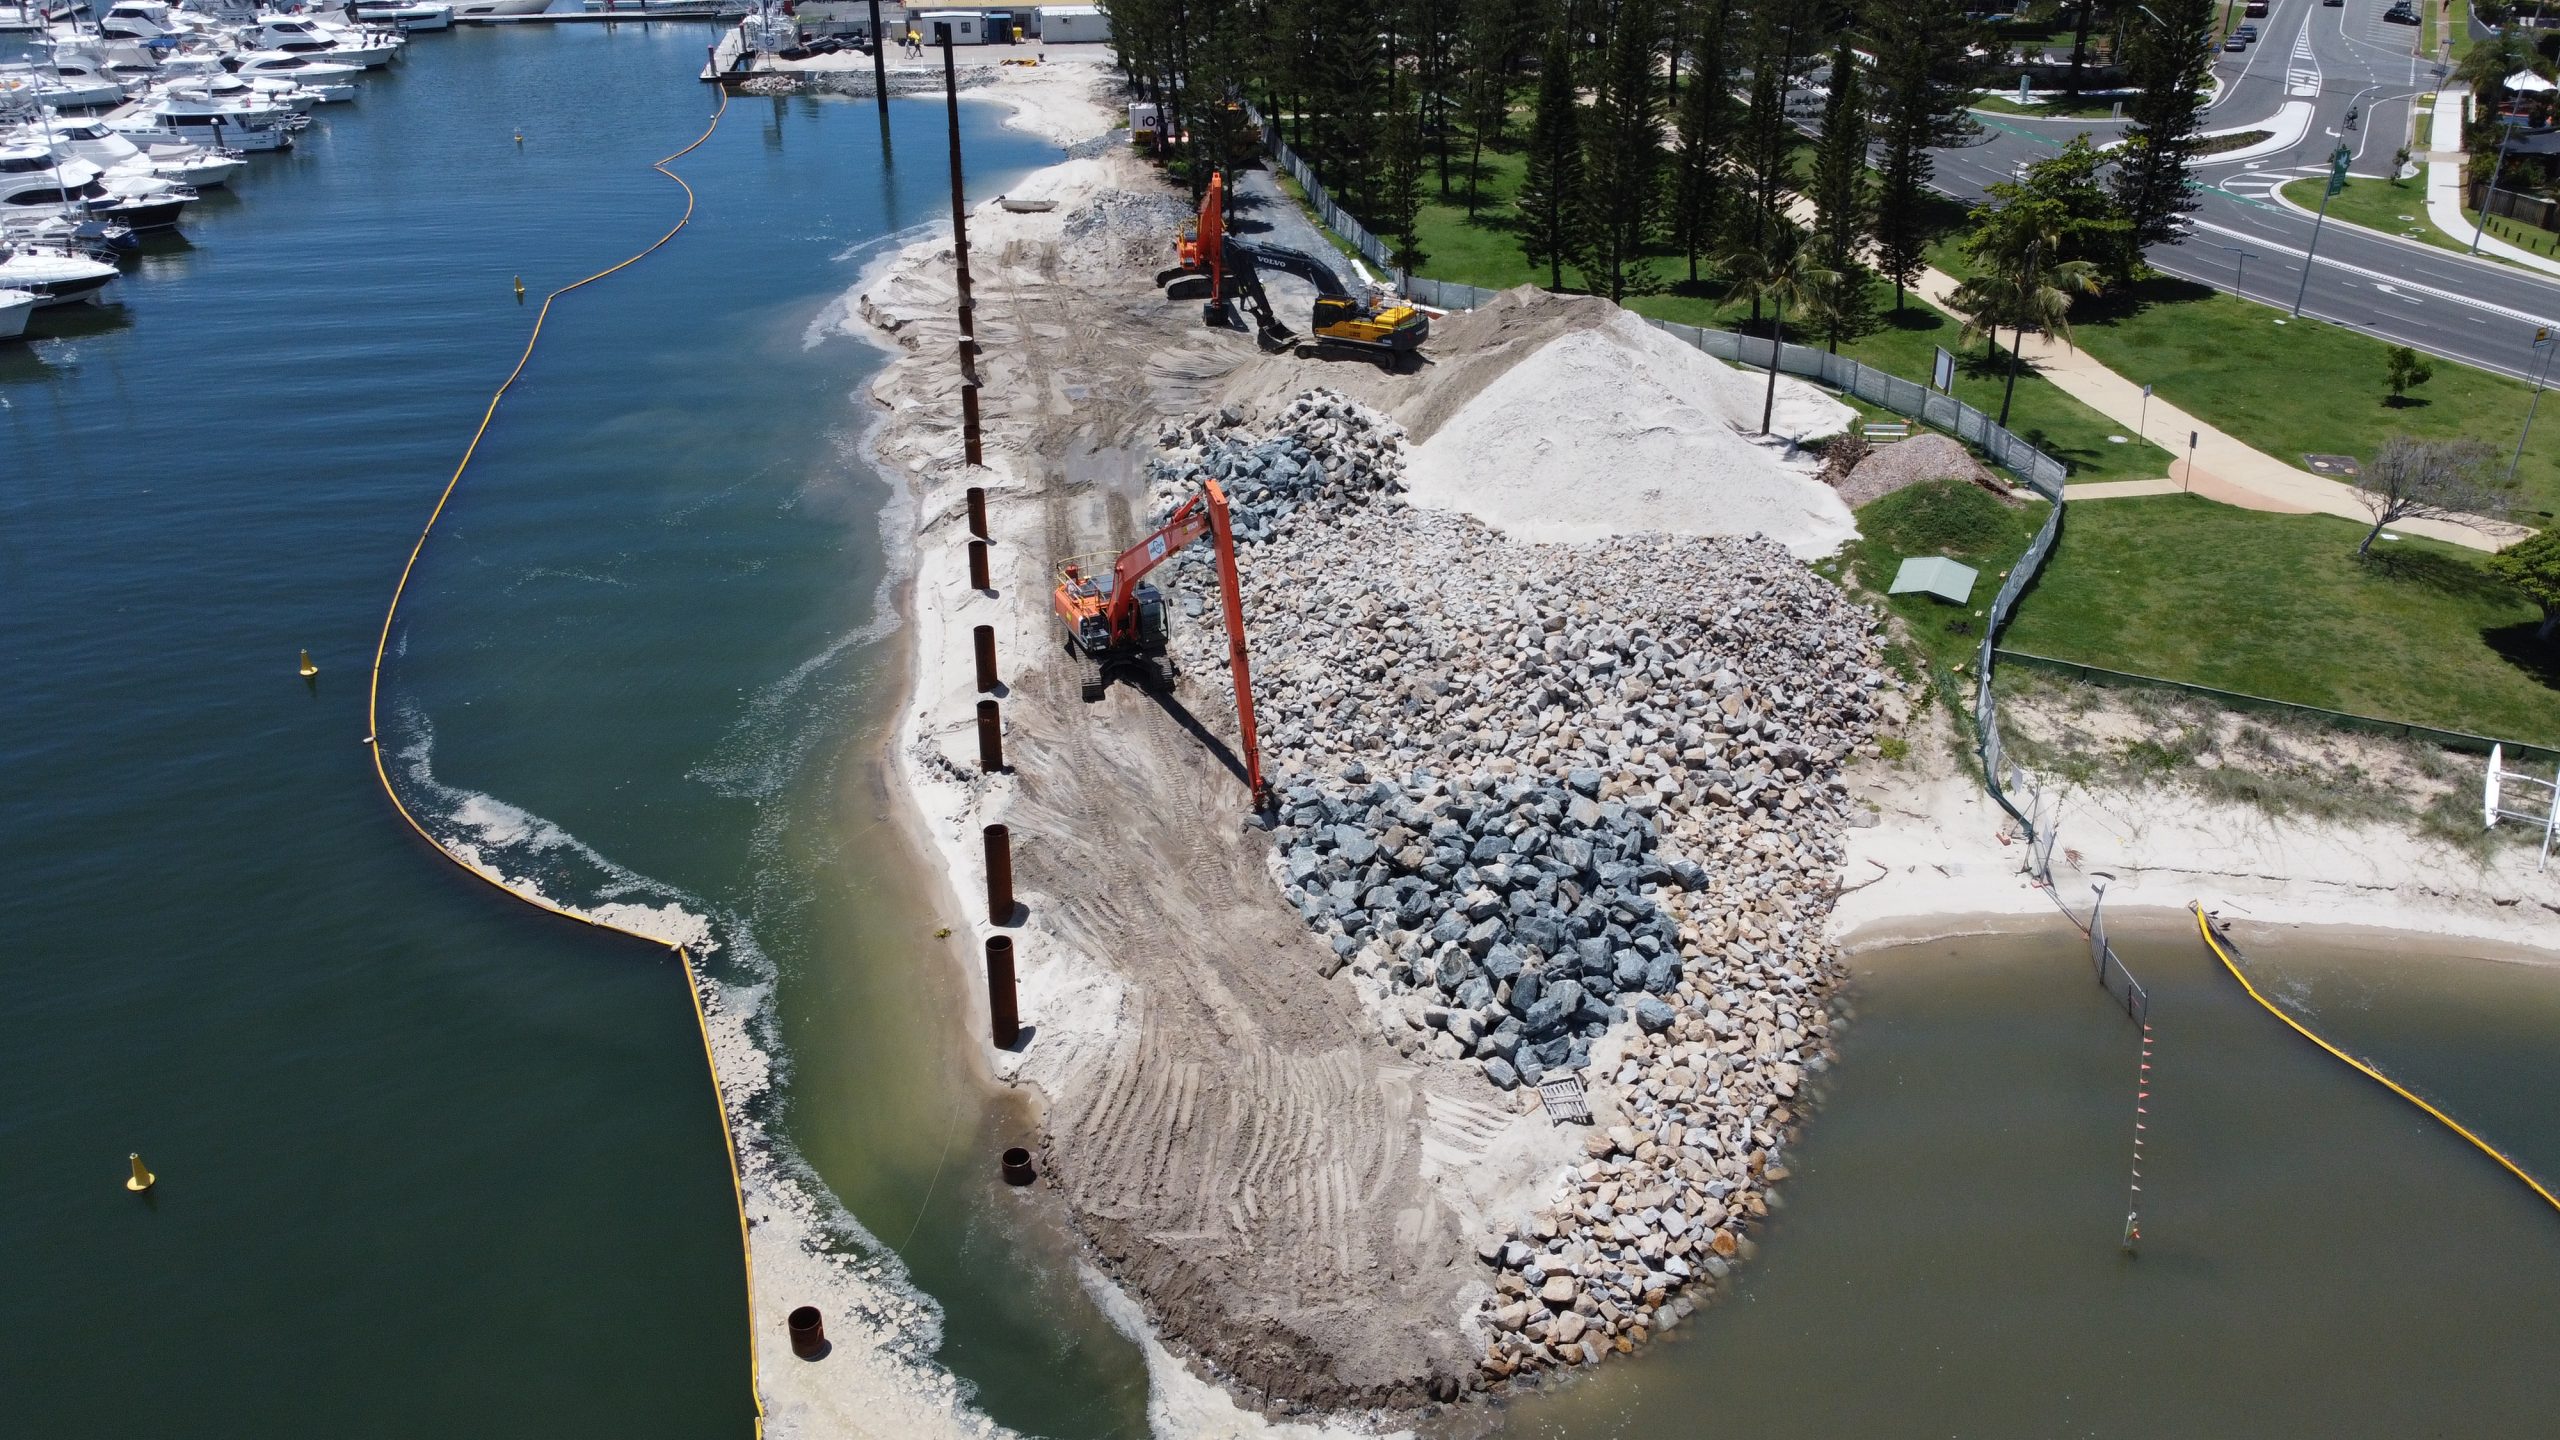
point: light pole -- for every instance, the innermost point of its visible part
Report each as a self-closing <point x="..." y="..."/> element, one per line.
<point x="2338" y="162"/>
<point x="2543" y="342"/>
<point x="2240" y="267"/>
<point x="2495" y="171"/>
<point x="2145" y="423"/>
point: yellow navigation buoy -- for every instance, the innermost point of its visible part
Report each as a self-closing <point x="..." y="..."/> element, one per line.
<point x="519" y="289"/>
<point x="142" y="1178"/>
<point x="308" y="669"/>
<point x="519" y="137"/>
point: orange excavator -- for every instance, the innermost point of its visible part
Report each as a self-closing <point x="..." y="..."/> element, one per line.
<point x="1118" y="620"/>
<point x="1382" y="327"/>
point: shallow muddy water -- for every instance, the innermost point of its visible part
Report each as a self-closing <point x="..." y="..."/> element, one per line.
<point x="2319" y="1257"/>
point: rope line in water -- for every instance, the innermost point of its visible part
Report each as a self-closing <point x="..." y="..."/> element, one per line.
<point x="373" y="734"/>
<point x="2213" y="942"/>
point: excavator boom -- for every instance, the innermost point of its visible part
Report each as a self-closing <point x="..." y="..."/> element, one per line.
<point x="1204" y="513"/>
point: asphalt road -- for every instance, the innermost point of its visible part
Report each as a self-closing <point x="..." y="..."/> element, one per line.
<point x="2338" y="60"/>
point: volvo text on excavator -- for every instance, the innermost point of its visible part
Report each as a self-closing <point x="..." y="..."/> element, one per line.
<point x="1371" y="323"/>
<point x="1117" y="621"/>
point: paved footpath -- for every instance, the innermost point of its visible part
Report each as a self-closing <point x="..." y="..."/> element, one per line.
<point x="2223" y="468"/>
<point x="2445" y="162"/>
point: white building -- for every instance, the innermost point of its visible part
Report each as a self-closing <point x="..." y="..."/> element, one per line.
<point x="1073" y="24"/>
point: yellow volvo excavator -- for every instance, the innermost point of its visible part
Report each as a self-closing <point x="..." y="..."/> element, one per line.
<point x="1380" y="325"/>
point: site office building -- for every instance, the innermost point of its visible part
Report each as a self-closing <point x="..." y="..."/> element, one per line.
<point x="970" y="24"/>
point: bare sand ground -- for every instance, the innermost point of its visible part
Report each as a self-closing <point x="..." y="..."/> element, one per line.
<point x="1943" y="859"/>
<point x="1283" y="1197"/>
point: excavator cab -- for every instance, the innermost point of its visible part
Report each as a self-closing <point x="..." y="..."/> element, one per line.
<point x="1105" y="635"/>
<point x="1394" y="329"/>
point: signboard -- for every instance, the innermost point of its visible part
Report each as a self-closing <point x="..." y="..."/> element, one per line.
<point x="1942" y="373"/>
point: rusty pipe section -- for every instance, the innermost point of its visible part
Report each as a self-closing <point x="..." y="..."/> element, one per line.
<point x="978" y="512"/>
<point x="999" y="843"/>
<point x="983" y="640"/>
<point x="990" y="737"/>
<point x="979" y="578"/>
<point x="1004" y="1016"/>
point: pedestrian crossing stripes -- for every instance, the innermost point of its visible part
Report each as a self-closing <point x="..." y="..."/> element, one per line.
<point x="2302" y="71"/>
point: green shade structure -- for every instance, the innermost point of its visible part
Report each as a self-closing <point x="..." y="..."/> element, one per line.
<point x="1936" y="574"/>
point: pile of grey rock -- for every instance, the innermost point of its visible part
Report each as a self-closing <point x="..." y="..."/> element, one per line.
<point x="1321" y="447"/>
<point x="1530" y="908"/>
<point x="1556" y="808"/>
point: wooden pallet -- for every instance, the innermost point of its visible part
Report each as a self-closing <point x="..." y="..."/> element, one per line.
<point x="1565" y="1099"/>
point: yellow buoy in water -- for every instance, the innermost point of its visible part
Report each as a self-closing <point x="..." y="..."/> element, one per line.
<point x="308" y="669"/>
<point x="519" y="137"/>
<point x="519" y="289"/>
<point x="142" y="1179"/>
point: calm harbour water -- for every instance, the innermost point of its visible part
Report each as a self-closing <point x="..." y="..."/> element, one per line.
<point x="433" y="1165"/>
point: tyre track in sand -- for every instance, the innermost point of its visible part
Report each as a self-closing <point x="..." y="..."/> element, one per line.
<point x="1246" y="1155"/>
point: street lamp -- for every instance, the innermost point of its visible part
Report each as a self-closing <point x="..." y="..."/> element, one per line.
<point x="2544" y="341"/>
<point x="2495" y="171"/>
<point x="2239" y="267"/>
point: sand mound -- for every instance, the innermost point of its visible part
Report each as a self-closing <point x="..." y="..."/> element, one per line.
<point x="1616" y="428"/>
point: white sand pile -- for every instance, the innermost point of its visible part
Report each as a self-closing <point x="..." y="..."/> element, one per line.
<point x="1619" y="428"/>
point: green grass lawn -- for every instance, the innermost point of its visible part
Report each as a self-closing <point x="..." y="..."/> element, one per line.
<point x="1943" y="517"/>
<point x="2401" y="210"/>
<point x="2305" y="387"/>
<point x="1486" y="253"/>
<point x="2277" y="605"/>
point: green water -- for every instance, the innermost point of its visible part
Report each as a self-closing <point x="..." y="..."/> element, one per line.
<point x="2319" y="1258"/>
<point x="433" y="1164"/>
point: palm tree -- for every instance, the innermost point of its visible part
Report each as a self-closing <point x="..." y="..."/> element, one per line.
<point x="2020" y="285"/>
<point x="1782" y="271"/>
<point x="2486" y="66"/>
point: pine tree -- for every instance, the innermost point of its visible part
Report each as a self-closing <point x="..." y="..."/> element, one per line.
<point x="1778" y="53"/>
<point x="1549" y="201"/>
<point x="1843" y="209"/>
<point x="1924" y="76"/>
<point x="2166" y="56"/>
<point x="1705" y="136"/>
<point x="1400" y="165"/>
<point x="1488" y="44"/>
<point x="1622" y="156"/>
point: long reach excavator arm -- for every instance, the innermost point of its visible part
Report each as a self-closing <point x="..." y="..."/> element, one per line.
<point x="1120" y="619"/>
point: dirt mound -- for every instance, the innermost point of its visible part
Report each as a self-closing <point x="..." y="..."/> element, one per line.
<point x="1905" y="463"/>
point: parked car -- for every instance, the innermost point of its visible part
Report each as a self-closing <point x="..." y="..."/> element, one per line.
<point x="2401" y="15"/>
<point x="2235" y="43"/>
<point x="2248" y="33"/>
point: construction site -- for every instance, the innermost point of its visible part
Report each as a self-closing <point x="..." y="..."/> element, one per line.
<point x="1418" y="745"/>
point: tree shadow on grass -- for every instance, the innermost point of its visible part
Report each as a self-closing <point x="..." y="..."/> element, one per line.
<point x="2120" y="302"/>
<point x="2515" y="644"/>
<point x="2447" y="575"/>
<point x="1914" y="318"/>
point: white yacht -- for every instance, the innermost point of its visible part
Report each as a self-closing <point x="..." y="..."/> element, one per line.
<point x="54" y="277"/>
<point x="302" y="35"/>
<point x="92" y="141"/>
<point x="467" y="9"/>
<point x="407" y="18"/>
<point x="147" y="20"/>
<point x="37" y="83"/>
<point x="15" y="307"/>
<point x="194" y="113"/>
<point x="330" y="82"/>
<point x="32" y="177"/>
